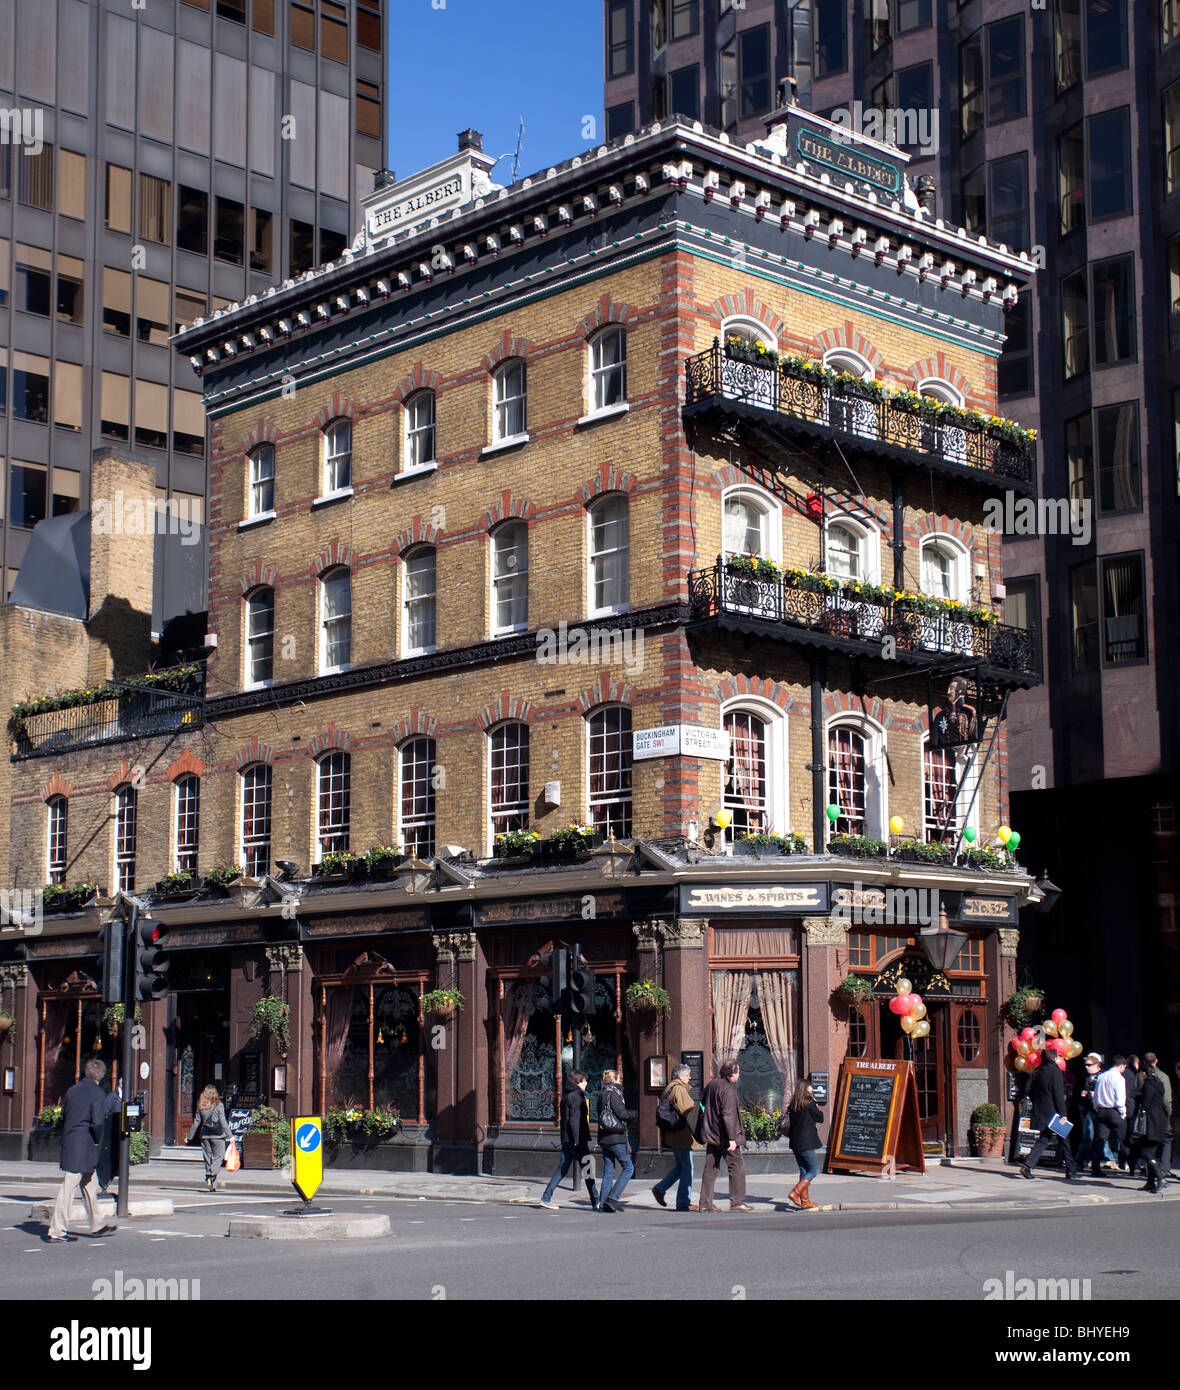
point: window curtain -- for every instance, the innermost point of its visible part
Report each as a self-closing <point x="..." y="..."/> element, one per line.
<point x="745" y="763"/>
<point x="1125" y="463"/>
<point x="778" y="996"/>
<point x="516" y="1008"/>
<point x="731" y="1008"/>
<point x="54" y="1028"/>
<point x="339" y="1015"/>
<point x="843" y="756"/>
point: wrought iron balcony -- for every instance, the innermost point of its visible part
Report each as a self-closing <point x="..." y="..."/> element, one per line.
<point x="716" y="381"/>
<point x="834" y="620"/>
<point x="127" y="710"/>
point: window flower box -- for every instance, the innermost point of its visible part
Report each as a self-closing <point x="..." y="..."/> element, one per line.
<point x="338" y="866"/>
<point x="857" y="847"/>
<point x="178" y="886"/>
<point x="381" y="861"/>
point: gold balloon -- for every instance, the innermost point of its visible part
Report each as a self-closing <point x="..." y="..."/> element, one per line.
<point x="1050" y="1029"/>
<point x="907" y="1024"/>
<point x="1020" y="1064"/>
<point x="1075" y="1049"/>
<point x="904" y="987"/>
<point x="1022" y="1048"/>
<point x="918" y="1011"/>
<point x="921" y="1028"/>
<point x="1065" y="1029"/>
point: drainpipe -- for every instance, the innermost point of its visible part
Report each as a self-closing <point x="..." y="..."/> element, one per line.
<point x="818" y="791"/>
<point x="898" y="544"/>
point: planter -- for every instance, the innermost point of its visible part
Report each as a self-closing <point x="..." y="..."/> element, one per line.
<point x="258" y="1149"/>
<point x="988" y="1143"/>
<point x="386" y="871"/>
<point x="222" y="890"/>
<point x="442" y="1010"/>
<point x="837" y="623"/>
<point x="5" y="1023"/>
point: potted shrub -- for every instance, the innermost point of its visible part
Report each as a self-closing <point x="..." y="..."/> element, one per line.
<point x="336" y="865"/>
<point x="381" y="861"/>
<point x="857" y="847"/>
<point x="1023" y="1008"/>
<point x="512" y="843"/>
<point x="570" y="841"/>
<point x="648" y="1000"/>
<point x="855" y="989"/>
<point x="178" y="885"/>
<point x="49" y="1117"/>
<point x="271" y="1015"/>
<point x="981" y="859"/>
<point x="112" y="1019"/>
<point x="761" y="1125"/>
<point x="222" y="876"/>
<point x="987" y="1131"/>
<point x="262" y="1144"/>
<point x="767" y="842"/>
<point x="923" y="852"/>
<point x="442" y="1002"/>
<point x="55" y="897"/>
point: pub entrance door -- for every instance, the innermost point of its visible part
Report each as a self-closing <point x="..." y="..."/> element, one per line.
<point x="201" y="1041"/>
<point x="929" y="1062"/>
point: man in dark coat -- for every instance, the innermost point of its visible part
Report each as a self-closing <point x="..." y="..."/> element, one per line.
<point x="723" y="1134"/>
<point x="1046" y="1092"/>
<point x="82" y="1113"/>
<point x="575" y="1141"/>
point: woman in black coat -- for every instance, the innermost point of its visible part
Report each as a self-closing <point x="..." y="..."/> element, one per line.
<point x="612" y="1138"/>
<point x="1151" y="1116"/>
<point x="801" y="1121"/>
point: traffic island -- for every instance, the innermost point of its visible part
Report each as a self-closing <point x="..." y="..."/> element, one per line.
<point x="138" y="1206"/>
<point x="311" y="1227"/>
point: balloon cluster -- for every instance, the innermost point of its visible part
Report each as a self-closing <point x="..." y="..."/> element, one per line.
<point x="1008" y="837"/>
<point x="1055" y="1037"/>
<point x="910" y="1009"/>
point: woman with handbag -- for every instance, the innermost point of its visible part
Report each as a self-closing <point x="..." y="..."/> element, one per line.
<point x="800" y="1126"/>
<point x="1149" y="1129"/>
<point x="613" y="1117"/>
<point x="211" y="1123"/>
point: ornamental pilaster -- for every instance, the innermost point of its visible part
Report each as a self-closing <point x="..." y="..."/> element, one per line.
<point x="1009" y="940"/>
<point x="825" y="931"/>
<point x="686" y="934"/>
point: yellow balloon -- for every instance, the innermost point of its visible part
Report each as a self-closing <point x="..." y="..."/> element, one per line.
<point x="1065" y="1029"/>
<point x="918" y="1011"/>
<point x="1005" y="833"/>
<point x="1050" y="1029"/>
<point x="1020" y="1064"/>
<point x="1075" y="1049"/>
<point x="724" y="818"/>
<point x="907" y="1024"/>
<point x="904" y="987"/>
<point x="921" y="1028"/>
<point x="896" y="824"/>
<point x="1022" y="1048"/>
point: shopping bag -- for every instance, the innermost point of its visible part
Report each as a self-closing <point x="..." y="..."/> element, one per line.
<point x="233" y="1159"/>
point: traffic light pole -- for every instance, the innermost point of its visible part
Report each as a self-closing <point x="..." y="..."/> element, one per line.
<point x="128" y="1060"/>
<point x="575" y="957"/>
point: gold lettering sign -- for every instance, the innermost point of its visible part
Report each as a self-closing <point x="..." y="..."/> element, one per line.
<point x="388" y="921"/>
<point x="546" y="909"/>
<point x="985" y="907"/>
<point x="772" y="895"/>
<point x="847" y="161"/>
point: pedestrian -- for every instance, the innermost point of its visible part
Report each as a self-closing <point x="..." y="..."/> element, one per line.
<point x="1046" y="1093"/>
<point x="1171" y="1148"/>
<point x="1152" y="1121"/>
<point x="1110" y="1111"/>
<point x="211" y="1123"/>
<point x="1093" y="1065"/>
<point x="613" y="1118"/>
<point x="678" y="1139"/>
<point x="108" y="1154"/>
<point x="723" y="1134"/>
<point x="81" y="1134"/>
<point x="1131" y="1078"/>
<point x="802" y="1117"/>
<point x="575" y="1141"/>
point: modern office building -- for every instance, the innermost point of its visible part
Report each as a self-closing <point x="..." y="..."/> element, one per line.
<point x="157" y="162"/>
<point x="1055" y="129"/>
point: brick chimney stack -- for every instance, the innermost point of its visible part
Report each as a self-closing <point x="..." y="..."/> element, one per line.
<point x="123" y="524"/>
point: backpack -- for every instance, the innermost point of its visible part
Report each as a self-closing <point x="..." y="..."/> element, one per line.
<point x="607" y="1119"/>
<point x="668" y="1118"/>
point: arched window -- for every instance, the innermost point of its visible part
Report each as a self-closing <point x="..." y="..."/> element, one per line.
<point x="939" y="390"/>
<point x="260" y="493"/>
<point x="416" y="821"/>
<point x="260" y="637"/>
<point x="611" y="755"/>
<point x="418" y="604"/>
<point x="335" y="620"/>
<point x="59" y="819"/>
<point x="337" y="456"/>
<point x="752" y="524"/>
<point x="188" y="823"/>
<point x="749" y="332"/>
<point x="335" y="797"/>
<point x="510" y="577"/>
<point x="949" y="778"/>
<point x="608" y="369"/>
<point x="746" y="791"/>
<point x="856" y="754"/>
<point x="419" y="431"/>
<point x="610" y="556"/>
<point x="850" y="412"/>
<point x="945" y="569"/>
<point x="748" y="363"/>
<point x="509" y="751"/>
<point x="126" y="818"/>
<point x="949" y="439"/>
<point x="508" y="402"/>
<point x="845" y="360"/>
<point x="256" y="820"/>
<point x="853" y="551"/>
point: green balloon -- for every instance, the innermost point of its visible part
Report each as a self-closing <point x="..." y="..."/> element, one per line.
<point x="833" y="812"/>
<point x="969" y="835"/>
<point x="1014" y="840"/>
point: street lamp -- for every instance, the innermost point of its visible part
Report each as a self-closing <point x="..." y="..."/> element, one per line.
<point x="941" y="944"/>
<point x="415" y="874"/>
<point x="1049" y="893"/>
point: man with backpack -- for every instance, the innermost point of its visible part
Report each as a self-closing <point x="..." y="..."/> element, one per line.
<point x="674" y="1117"/>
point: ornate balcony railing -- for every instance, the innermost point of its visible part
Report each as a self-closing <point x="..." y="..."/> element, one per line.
<point x="919" y="637"/>
<point x="134" y="711"/>
<point x="849" y="408"/>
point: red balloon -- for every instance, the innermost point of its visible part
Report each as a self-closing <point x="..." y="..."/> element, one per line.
<point x="1015" y="1043"/>
<point x="1028" y="1034"/>
<point x="1061" y="1061"/>
<point x="1058" y="1045"/>
<point x="915" y="1000"/>
<point x="907" y="1002"/>
<point x="1033" y="1060"/>
<point x="1058" y="1015"/>
<point x="895" y="1005"/>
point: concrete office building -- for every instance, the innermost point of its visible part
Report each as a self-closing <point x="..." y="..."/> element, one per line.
<point x="155" y="164"/>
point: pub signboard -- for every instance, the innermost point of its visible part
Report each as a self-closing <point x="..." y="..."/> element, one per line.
<point x="708" y="898"/>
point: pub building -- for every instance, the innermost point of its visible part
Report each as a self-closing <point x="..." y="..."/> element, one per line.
<point x="645" y="495"/>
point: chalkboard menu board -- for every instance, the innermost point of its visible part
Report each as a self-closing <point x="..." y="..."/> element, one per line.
<point x="695" y="1062"/>
<point x="239" y="1116"/>
<point x="876" y="1126"/>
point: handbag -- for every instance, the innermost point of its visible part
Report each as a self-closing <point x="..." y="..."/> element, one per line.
<point x="1139" y="1124"/>
<point x="233" y="1159"/>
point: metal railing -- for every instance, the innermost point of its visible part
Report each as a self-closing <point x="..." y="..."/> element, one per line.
<point x="848" y="408"/>
<point x="133" y="712"/>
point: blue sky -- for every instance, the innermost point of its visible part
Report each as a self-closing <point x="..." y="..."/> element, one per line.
<point x="485" y="64"/>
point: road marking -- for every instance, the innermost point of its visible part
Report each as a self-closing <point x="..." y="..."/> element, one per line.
<point x="161" y="1235"/>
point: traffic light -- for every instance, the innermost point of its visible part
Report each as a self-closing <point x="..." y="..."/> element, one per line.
<point x="110" y="944"/>
<point x="151" y="960"/>
<point x="582" y="989"/>
<point x="555" y="982"/>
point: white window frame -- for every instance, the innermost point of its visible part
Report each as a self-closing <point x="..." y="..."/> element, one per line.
<point x="337" y="461"/>
<point x="186" y="801"/>
<point x="772" y="517"/>
<point x="57" y="844"/>
<point x="420" y="438"/>
<point x="738" y="382"/>
<point x="869" y="546"/>
<point x="777" y="764"/>
<point x="424" y="820"/>
<point x="326" y="667"/>
<point x="751" y="329"/>
<point x="254" y="842"/>
<point x="257" y="481"/>
<point x="505" y="580"/>
<point x="126" y="831"/>
<point x="502" y="402"/>
<point x="256" y="637"/>
<point x="411" y="600"/>
<point x="968" y="770"/>
<point x="624" y="798"/>
<point x="520" y="809"/>
<point x="863" y="415"/>
<point x="325" y="777"/>
<point x="952" y="439"/>
<point x="600" y="372"/>
<point x="593" y="556"/>
<point x="876" y="788"/>
<point x="960" y="558"/>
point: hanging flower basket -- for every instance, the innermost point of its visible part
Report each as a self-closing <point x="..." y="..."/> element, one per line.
<point x="442" y="1002"/>
<point x="855" y="989"/>
<point x="1024" y="1007"/>
<point x="647" y="1001"/>
<point x="271" y="1015"/>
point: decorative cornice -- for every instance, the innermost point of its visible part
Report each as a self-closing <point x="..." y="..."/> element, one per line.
<point x="649" y="933"/>
<point x="14" y="974"/>
<point x="825" y="931"/>
<point x="454" y="945"/>
<point x="686" y="933"/>
<point x="1009" y="940"/>
<point x="285" y="955"/>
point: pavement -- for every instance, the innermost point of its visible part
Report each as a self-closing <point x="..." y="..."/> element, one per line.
<point x="961" y="1184"/>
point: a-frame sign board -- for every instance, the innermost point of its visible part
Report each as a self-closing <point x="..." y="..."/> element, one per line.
<point x="875" y="1128"/>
